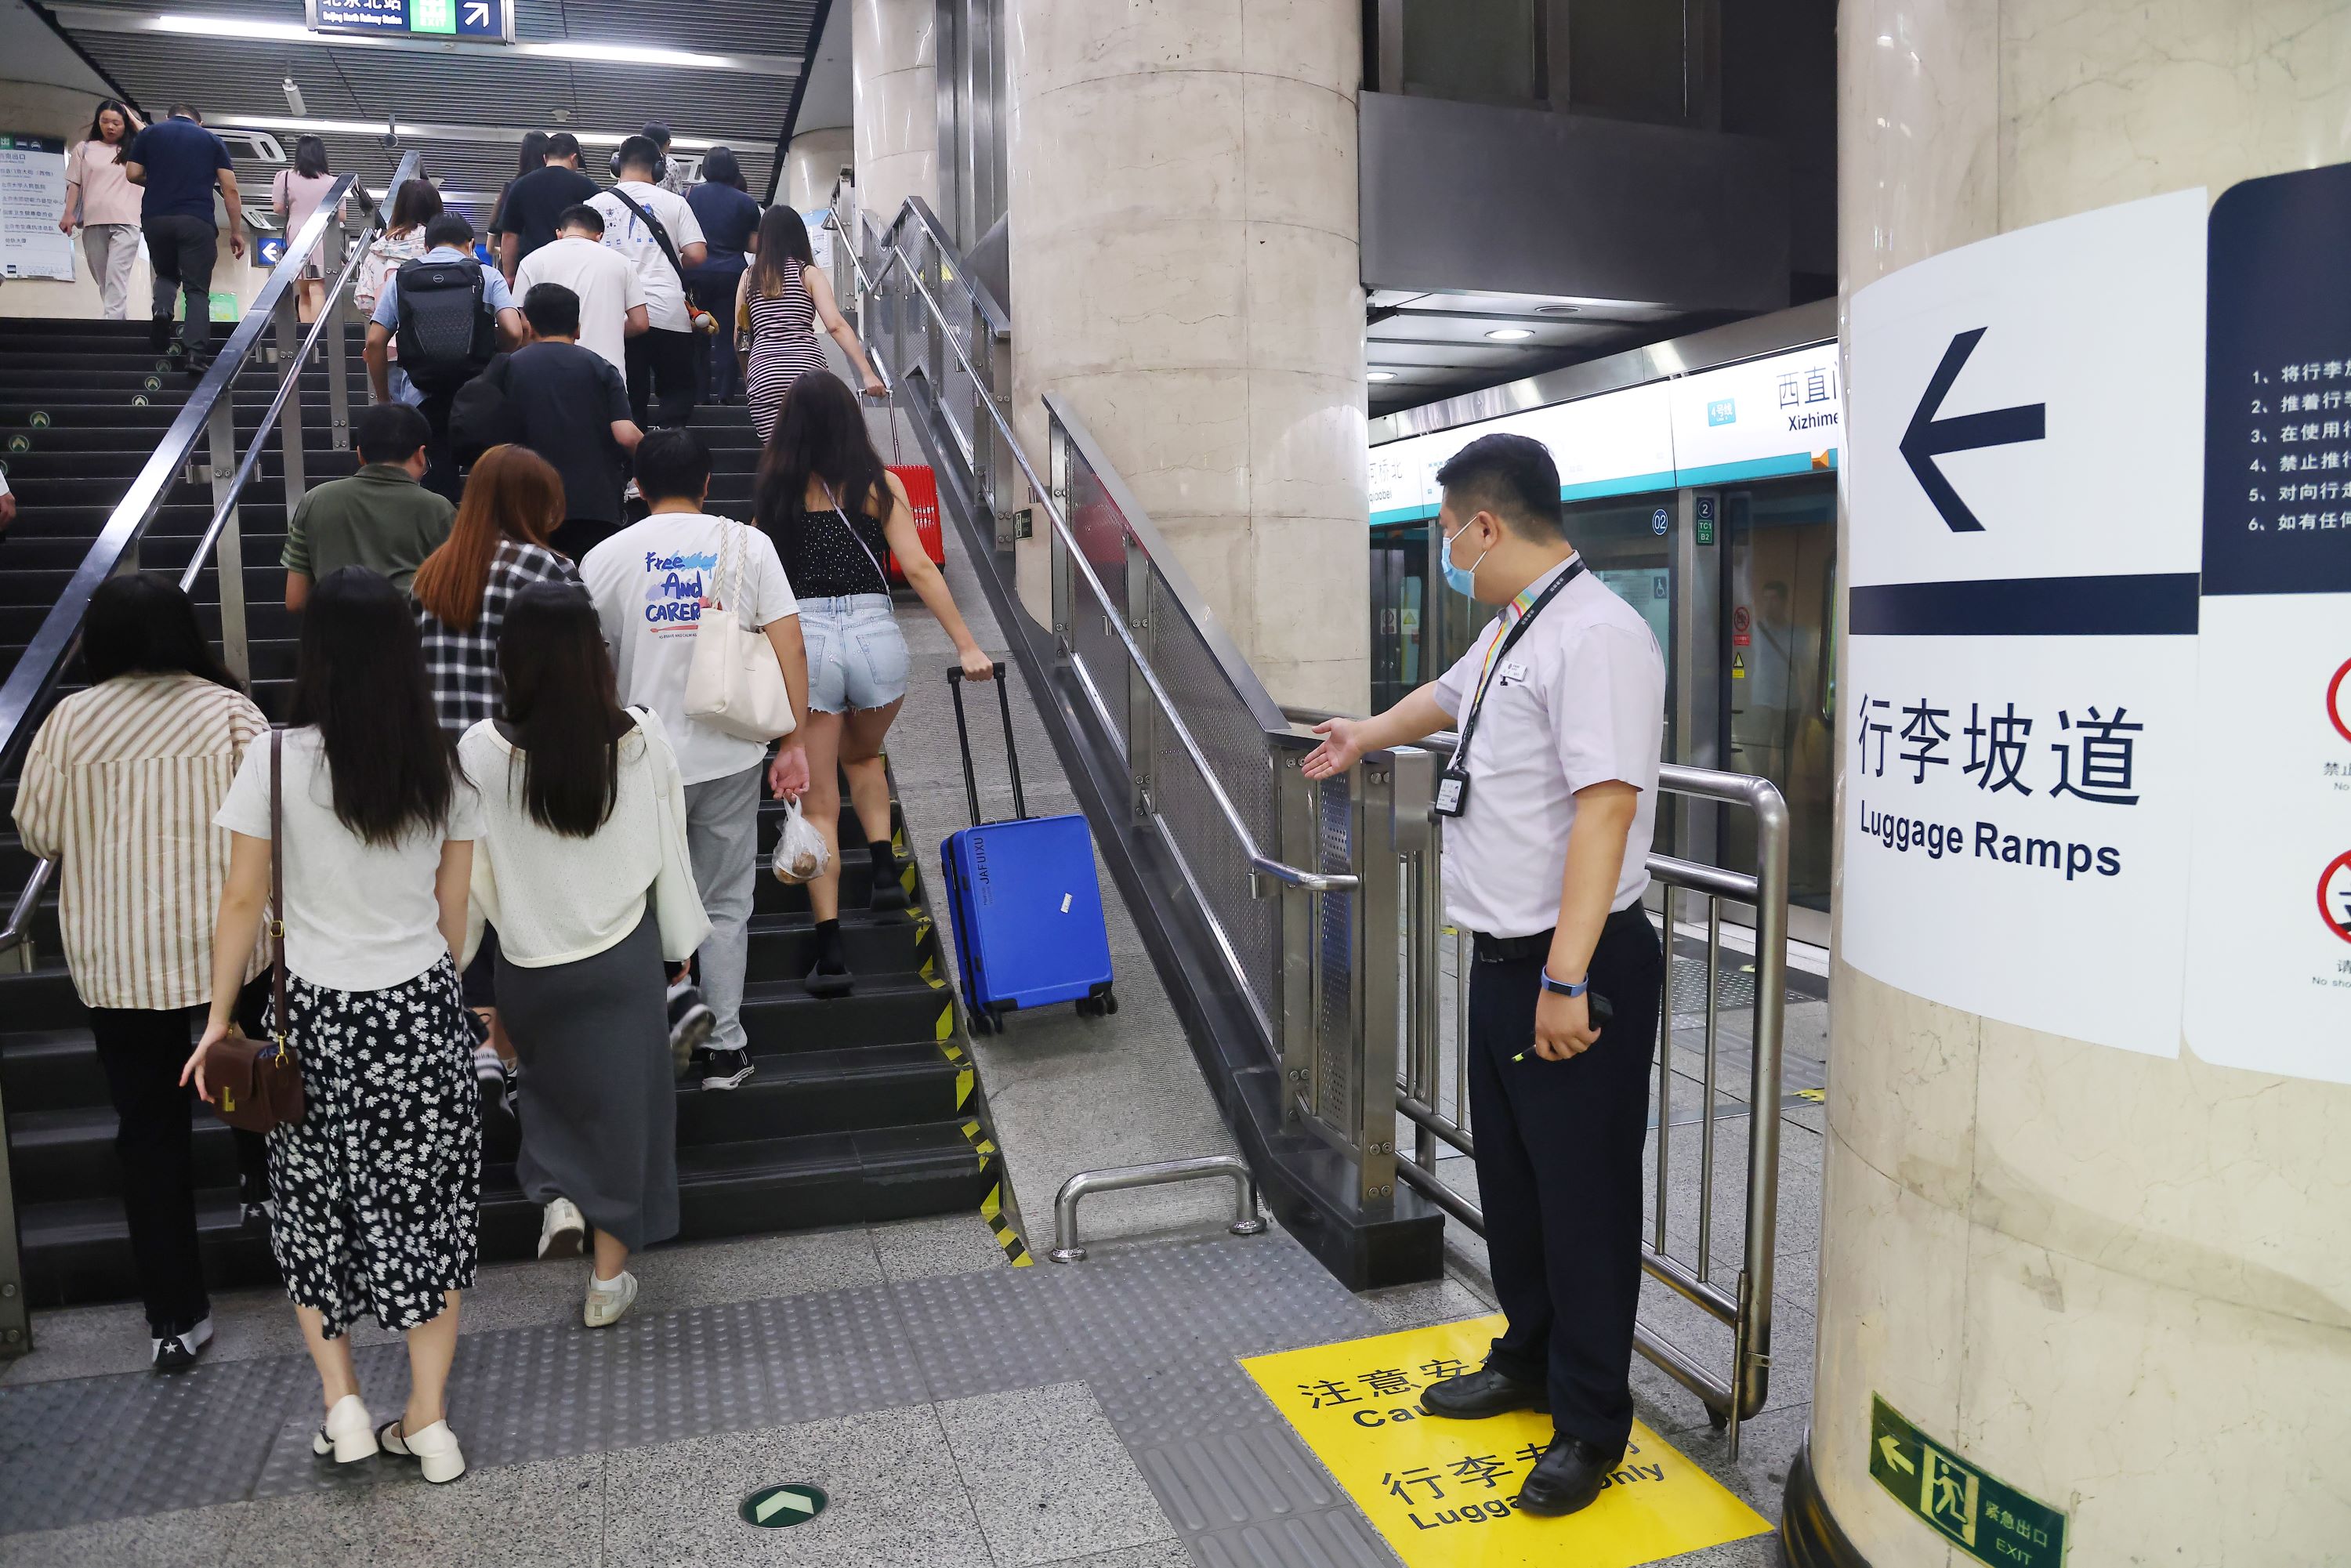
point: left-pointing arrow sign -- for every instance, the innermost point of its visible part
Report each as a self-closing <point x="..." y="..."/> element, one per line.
<point x="1929" y="438"/>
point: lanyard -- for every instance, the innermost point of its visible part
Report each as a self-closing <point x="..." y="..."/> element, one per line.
<point x="1528" y="609"/>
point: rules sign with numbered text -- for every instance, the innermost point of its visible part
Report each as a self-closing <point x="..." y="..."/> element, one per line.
<point x="2025" y="479"/>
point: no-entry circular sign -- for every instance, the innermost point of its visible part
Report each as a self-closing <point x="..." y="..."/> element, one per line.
<point x="2335" y="896"/>
<point x="2338" y="700"/>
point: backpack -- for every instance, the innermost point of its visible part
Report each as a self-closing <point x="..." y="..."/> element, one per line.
<point x="447" y="334"/>
<point x="482" y="416"/>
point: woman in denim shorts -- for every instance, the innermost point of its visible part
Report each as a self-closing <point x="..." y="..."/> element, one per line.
<point x="836" y="513"/>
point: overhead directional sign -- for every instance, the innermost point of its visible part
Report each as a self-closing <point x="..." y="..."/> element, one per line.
<point x="483" y="21"/>
<point x="1930" y="437"/>
<point x="2024" y="470"/>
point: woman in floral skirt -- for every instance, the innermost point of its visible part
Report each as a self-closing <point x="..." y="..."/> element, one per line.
<point x="380" y="1183"/>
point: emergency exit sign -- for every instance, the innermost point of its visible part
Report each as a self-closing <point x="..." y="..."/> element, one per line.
<point x="486" y="21"/>
<point x="1983" y="1516"/>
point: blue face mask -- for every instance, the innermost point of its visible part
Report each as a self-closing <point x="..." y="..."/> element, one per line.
<point x="1463" y="580"/>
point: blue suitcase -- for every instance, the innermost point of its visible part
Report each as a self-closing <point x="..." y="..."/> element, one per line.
<point x="1027" y="905"/>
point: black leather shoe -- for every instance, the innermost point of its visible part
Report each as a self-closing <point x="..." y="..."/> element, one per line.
<point x="1474" y="1395"/>
<point x="1567" y="1477"/>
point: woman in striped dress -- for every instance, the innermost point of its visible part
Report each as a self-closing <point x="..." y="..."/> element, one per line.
<point x="120" y="789"/>
<point x="783" y="297"/>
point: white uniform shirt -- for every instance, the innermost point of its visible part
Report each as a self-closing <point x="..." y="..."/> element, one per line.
<point x="626" y="233"/>
<point x="1581" y="700"/>
<point x="607" y="285"/>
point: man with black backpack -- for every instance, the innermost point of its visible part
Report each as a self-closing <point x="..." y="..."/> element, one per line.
<point x="453" y="314"/>
<point x="659" y="236"/>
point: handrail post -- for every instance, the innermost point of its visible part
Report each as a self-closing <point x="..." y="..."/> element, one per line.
<point x="338" y="381"/>
<point x="1383" y="840"/>
<point x="290" y="422"/>
<point x="1057" y="549"/>
<point x="228" y="551"/>
<point x="1298" y="917"/>
<point x="1142" y="727"/>
<point x="1751" y="1377"/>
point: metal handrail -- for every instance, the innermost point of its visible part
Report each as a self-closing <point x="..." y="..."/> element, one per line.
<point x="1289" y="875"/>
<point x="115" y="549"/>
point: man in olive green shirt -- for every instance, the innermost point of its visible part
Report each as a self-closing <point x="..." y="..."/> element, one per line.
<point x="381" y="518"/>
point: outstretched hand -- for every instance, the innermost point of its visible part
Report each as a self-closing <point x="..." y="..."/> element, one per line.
<point x="1340" y="749"/>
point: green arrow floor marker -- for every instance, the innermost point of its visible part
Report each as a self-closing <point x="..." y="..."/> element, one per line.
<point x="774" y="1508"/>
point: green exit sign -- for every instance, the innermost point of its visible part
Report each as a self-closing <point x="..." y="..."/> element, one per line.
<point x="432" y="16"/>
<point x="1985" y="1517"/>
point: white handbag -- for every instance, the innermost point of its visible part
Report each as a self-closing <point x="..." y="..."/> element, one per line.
<point x="734" y="683"/>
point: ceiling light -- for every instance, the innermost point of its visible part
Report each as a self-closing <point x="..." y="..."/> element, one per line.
<point x="1379" y="375"/>
<point x="232" y="28"/>
<point x="1558" y="309"/>
<point x="1511" y="334"/>
<point x="625" y="55"/>
<point x="428" y="131"/>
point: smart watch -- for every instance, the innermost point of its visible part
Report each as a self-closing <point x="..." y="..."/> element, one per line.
<point x="1561" y="988"/>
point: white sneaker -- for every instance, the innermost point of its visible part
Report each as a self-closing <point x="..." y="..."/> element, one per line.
<point x="608" y="1298"/>
<point x="434" y="1449"/>
<point x="564" y="1232"/>
<point x="348" y="1434"/>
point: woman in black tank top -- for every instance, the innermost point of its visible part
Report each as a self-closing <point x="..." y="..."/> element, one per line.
<point x="836" y="515"/>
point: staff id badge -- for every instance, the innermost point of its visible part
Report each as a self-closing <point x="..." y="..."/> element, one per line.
<point x="1452" y="792"/>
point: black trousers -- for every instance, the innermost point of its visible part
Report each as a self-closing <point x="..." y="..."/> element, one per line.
<point x="141" y="1053"/>
<point x="1558" y="1172"/>
<point x="441" y="475"/>
<point x="661" y="366"/>
<point x="720" y="373"/>
<point x="182" y="249"/>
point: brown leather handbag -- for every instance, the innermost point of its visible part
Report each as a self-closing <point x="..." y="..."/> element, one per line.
<point x="257" y="1085"/>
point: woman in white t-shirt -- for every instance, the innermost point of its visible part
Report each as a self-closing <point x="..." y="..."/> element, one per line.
<point x="294" y="195"/>
<point x="379" y="1185"/>
<point x="583" y="869"/>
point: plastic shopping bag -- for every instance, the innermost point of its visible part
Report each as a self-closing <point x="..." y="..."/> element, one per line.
<point x="800" y="849"/>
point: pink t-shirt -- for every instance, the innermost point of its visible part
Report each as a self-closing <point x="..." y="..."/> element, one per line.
<point x="107" y="196"/>
<point x="297" y="196"/>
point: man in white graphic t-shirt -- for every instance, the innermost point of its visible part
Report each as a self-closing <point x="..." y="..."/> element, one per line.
<point x="661" y="360"/>
<point x="650" y="582"/>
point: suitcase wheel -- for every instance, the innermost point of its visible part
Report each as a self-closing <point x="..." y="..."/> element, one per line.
<point x="1096" y="1007"/>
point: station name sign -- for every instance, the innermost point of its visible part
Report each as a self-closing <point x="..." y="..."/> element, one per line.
<point x="483" y="21"/>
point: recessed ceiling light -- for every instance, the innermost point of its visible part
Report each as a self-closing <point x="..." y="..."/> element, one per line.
<point x="1379" y="375"/>
<point x="1558" y="309"/>
<point x="1511" y="334"/>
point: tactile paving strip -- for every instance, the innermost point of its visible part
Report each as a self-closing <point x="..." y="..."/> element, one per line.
<point x="1156" y="1332"/>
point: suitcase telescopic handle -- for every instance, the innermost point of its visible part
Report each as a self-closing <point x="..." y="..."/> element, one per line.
<point x="963" y="740"/>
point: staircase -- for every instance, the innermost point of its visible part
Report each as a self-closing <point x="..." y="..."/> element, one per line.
<point x="863" y="1108"/>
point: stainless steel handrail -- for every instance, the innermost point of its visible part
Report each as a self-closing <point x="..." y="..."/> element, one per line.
<point x="115" y="549"/>
<point x="1042" y="493"/>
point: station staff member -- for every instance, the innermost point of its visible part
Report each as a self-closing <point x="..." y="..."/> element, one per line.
<point x="1549" y="802"/>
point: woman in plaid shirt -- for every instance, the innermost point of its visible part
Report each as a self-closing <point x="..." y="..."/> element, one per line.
<point x="495" y="548"/>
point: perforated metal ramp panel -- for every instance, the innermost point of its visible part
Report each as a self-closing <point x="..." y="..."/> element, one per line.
<point x="1156" y="1332"/>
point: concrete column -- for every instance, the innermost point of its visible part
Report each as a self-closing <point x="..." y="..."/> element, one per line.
<point x="812" y="162"/>
<point x="1186" y="271"/>
<point x="893" y="63"/>
<point x="2117" y="1281"/>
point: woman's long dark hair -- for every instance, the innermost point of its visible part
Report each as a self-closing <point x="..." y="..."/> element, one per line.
<point x="783" y="237"/>
<point x="122" y="148"/>
<point x="310" y="157"/>
<point x="721" y="167"/>
<point x="145" y="626"/>
<point x="821" y="432"/>
<point x="359" y="675"/>
<point x="414" y="205"/>
<point x="534" y="153"/>
<point x="560" y="708"/>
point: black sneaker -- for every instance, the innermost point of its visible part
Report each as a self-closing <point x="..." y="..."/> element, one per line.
<point x="159" y="333"/>
<point x="178" y="1351"/>
<point x="889" y="894"/>
<point x="691" y="1023"/>
<point x="722" y="1068"/>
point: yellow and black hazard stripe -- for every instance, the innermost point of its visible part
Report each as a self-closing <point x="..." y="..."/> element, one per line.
<point x="991" y="1209"/>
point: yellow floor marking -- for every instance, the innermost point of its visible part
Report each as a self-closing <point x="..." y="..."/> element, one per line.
<point x="1441" y="1491"/>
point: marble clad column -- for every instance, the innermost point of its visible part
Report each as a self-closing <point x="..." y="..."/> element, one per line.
<point x="2119" y="1282"/>
<point x="812" y="162"/>
<point x="893" y="56"/>
<point x="1186" y="271"/>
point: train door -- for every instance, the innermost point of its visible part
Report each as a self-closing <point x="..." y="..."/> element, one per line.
<point x="1399" y="601"/>
<point x="1781" y="605"/>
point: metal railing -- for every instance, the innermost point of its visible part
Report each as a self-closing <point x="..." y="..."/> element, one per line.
<point x="1432" y="1077"/>
<point x="1321" y="899"/>
<point x="208" y="417"/>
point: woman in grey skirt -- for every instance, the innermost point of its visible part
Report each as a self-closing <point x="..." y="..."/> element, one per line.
<point x="583" y="871"/>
